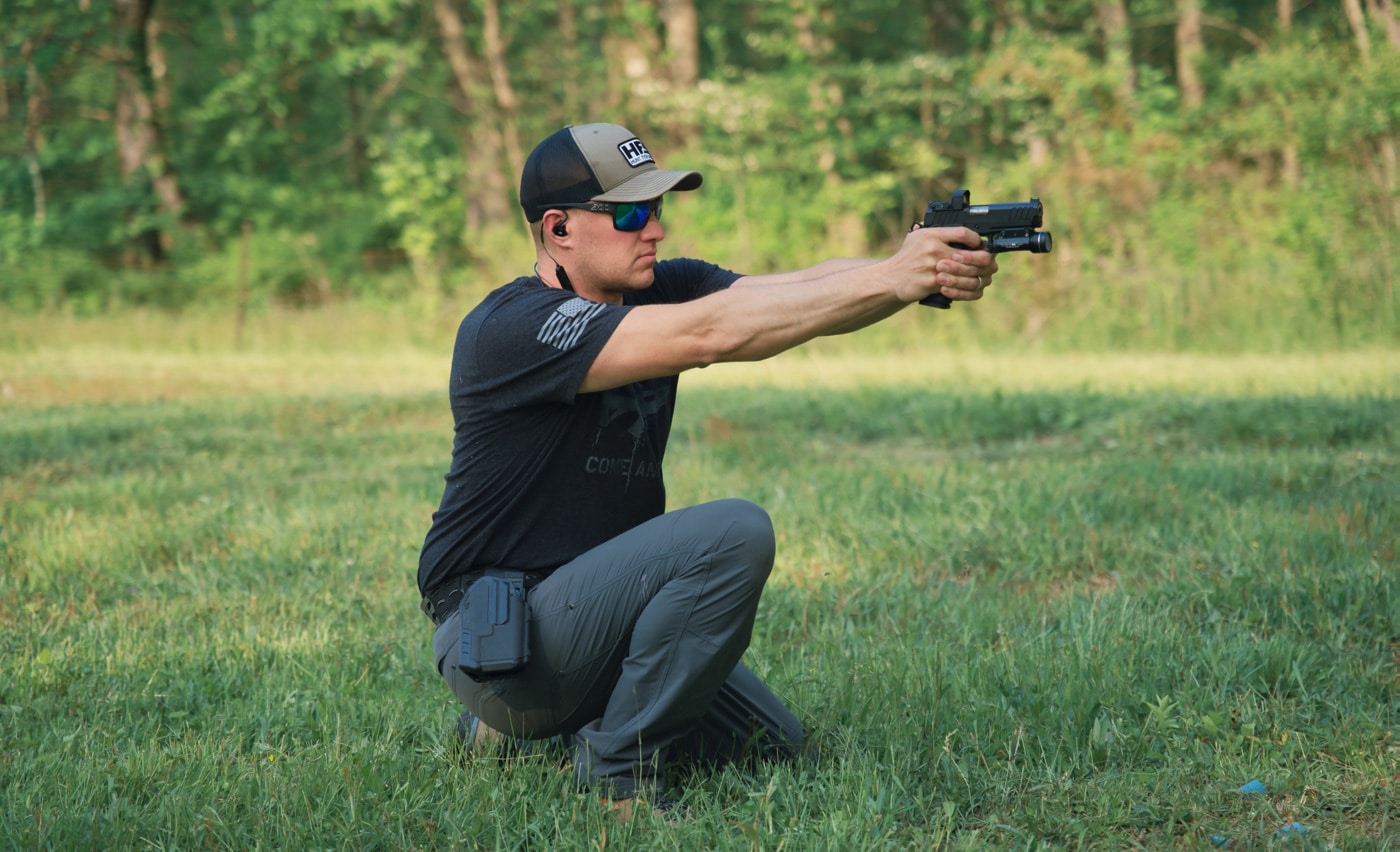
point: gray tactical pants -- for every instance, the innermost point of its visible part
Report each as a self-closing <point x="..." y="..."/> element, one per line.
<point x="635" y="647"/>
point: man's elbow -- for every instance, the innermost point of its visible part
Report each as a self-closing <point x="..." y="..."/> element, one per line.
<point x="721" y="344"/>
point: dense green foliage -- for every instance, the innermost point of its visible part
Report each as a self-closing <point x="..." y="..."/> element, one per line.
<point x="1087" y="620"/>
<point x="1241" y="195"/>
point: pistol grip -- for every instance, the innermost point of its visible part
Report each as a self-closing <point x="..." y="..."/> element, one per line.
<point x="938" y="300"/>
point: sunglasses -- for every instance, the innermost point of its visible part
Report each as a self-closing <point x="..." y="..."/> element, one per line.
<point x="627" y="215"/>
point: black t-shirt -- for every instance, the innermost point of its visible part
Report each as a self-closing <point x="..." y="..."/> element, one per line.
<point x="541" y="473"/>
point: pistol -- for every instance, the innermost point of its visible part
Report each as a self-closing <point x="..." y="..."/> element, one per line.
<point x="1003" y="227"/>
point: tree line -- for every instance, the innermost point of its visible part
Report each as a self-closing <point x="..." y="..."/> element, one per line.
<point x="1193" y="155"/>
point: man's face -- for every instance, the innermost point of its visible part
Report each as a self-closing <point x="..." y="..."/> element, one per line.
<point x="606" y="263"/>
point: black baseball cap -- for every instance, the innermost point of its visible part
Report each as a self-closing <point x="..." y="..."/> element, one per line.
<point x="594" y="162"/>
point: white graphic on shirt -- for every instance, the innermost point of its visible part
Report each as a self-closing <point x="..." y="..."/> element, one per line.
<point x="628" y="409"/>
<point x="565" y="326"/>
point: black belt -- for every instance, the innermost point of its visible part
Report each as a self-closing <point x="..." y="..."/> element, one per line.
<point x="444" y="599"/>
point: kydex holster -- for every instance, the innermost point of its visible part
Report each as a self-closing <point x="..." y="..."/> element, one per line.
<point x="495" y="626"/>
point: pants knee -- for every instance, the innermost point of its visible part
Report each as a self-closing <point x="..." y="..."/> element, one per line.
<point x="756" y="527"/>
<point x="748" y="540"/>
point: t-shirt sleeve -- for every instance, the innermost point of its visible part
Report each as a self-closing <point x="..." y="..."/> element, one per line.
<point x="684" y="279"/>
<point x="529" y="346"/>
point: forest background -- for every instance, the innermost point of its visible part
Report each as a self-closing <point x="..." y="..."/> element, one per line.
<point x="1217" y="176"/>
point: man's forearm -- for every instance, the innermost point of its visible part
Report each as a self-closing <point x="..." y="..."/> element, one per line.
<point x="805" y="277"/>
<point x="769" y="314"/>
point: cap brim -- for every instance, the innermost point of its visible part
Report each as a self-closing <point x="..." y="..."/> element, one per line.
<point x="652" y="184"/>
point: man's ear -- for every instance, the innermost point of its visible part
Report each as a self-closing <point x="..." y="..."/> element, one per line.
<point x="556" y="222"/>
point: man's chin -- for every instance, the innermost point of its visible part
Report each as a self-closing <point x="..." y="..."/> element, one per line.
<point x="646" y="277"/>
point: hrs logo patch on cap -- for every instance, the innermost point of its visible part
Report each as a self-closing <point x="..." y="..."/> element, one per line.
<point x="635" y="152"/>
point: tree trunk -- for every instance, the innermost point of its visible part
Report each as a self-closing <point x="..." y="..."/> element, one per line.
<point x="356" y="147"/>
<point x="140" y="152"/>
<point x="1190" y="47"/>
<point x="1289" y="167"/>
<point x="1384" y="13"/>
<point x="36" y="106"/>
<point x="507" y="105"/>
<point x="845" y="232"/>
<point x="1357" y="18"/>
<point x="681" y="28"/>
<point x="633" y="51"/>
<point x="157" y="65"/>
<point x="486" y="192"/>
<point x="1118" y="51"/>
<point x="816" y="47"/>
<point x="4" y="90"/>
<point x="569" y="56"/>
<point x="681" y="24"/>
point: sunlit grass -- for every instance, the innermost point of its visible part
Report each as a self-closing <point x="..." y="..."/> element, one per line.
<point x="939" y="368"/>
<point x="1020" y="599"/>
<point x="139" y="355"/>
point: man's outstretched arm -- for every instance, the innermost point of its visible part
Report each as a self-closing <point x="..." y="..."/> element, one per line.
<point x="761" y="316"/>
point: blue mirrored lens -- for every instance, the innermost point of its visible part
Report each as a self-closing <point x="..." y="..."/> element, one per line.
<point x="633" y="215"/>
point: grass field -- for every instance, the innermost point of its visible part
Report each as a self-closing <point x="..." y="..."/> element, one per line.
<point x="1020" y="600"/>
